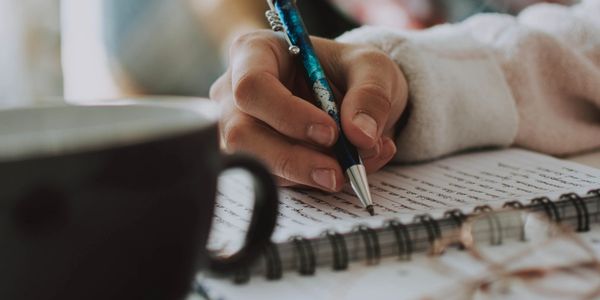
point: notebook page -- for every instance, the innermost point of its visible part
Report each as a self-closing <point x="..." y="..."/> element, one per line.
<point x="462" y="181"/>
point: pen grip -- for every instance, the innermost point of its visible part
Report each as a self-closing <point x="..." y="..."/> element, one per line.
<point x="345" y="152"/>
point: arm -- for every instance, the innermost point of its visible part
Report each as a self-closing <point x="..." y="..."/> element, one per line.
<point x="532" y="81"/>
<point x="490" y="81"/>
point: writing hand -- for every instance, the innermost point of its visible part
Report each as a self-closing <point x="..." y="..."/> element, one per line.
<point x="265" y="113"/>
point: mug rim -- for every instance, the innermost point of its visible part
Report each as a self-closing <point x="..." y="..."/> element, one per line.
<point x="61" y="128"/>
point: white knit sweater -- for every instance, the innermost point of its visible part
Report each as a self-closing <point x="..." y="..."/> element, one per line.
<point x="494" y="80"/>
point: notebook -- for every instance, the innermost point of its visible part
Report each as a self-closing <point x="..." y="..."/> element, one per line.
<point x="415" y="204"/>
<point x="419" y="278"/>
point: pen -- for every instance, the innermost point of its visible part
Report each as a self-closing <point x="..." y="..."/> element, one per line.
<point x="283" y="15"/>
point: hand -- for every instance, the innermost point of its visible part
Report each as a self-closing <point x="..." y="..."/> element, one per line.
<point x="265" y="112"/>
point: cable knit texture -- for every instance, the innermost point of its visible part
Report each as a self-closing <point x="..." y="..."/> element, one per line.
<point x="494" y="80"/>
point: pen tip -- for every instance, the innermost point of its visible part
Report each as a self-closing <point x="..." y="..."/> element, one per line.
<point x="370" y="210"/>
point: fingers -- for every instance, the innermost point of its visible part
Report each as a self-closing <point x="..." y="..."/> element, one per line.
<point x="258" y="91"/>
<point x="386" y="149"/>
<point x="373" y="102"/>
<point x="263" y="115"/>
<point x="293" y="162"/>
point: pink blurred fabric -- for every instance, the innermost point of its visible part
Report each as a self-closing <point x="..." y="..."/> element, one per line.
<point x="417" y="14"/>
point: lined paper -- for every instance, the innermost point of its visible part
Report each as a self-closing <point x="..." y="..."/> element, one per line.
<point x="463" y="181"/>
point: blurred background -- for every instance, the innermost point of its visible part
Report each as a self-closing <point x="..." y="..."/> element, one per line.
<point x="98" y="49"/>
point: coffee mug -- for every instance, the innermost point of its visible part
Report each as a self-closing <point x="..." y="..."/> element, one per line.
<point x="115" y="201"/>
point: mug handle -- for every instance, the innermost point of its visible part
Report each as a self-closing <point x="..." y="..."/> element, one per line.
<point x="264" y="215"/>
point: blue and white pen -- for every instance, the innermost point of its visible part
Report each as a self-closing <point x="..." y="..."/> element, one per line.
<point x="284" y="16"/>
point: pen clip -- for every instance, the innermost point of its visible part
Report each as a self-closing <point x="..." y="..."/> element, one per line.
<point x="276" y="24"/>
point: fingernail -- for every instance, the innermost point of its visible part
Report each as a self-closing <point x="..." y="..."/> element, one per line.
<point x="321" y="134"/>
<point x="373" y="152"/>
<point x="325" y="178"/>
<point x="366" y="123"/>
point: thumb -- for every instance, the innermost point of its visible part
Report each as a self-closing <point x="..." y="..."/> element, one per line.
<point x="372" y="102"/>
<point x="365" y="112"/>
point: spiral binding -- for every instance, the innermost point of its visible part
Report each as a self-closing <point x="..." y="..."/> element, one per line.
<point x="306" y="255"/>
<point x="432" y="226"/>
<point x="513" y="204"/>
<point x="274" y="269"/>
<point x="482" y="209"/>
<point x="242" y="275"/>
<point x="403" y="240"/>
<point x="339" y="249"/>
<point x="495" y="224"/>
<point x="371" y="242"/>
<point x="458" y="218"/>
<point x="456" y="215"/>
<point x="516" y="205"/>
<point x="583" y="217"/>
<point x="549" y="208"/>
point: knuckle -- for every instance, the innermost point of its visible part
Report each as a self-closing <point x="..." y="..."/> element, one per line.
<point x="244" y="88"/>
<point x="233" y="133"/>
<point x="251" y="39"/>
<point x="240" y="41"/>
<point x="281" y="124"/>
<point x="378" y="94"/>
<point x="247" y="39"/>
<point x="372" y="56"/>
<point x="217" y="88"/>
<point x="283" y="164"/>
<point x="286" y="122"/>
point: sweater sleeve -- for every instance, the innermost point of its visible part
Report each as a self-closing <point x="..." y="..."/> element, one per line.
<point x="494" y="80"/>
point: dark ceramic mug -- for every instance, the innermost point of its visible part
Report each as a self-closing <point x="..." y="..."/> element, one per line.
<point x="115" y="202"/>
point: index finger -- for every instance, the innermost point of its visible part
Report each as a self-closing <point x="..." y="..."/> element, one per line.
<point x="260" y="66"/>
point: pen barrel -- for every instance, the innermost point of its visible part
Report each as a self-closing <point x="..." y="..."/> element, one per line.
<point x="345" y="152"/>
